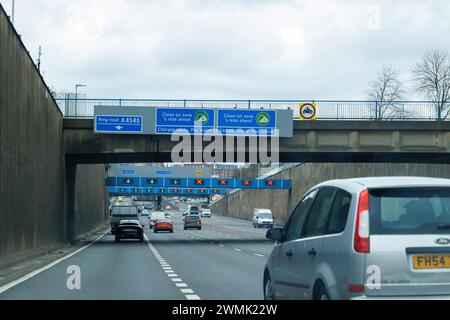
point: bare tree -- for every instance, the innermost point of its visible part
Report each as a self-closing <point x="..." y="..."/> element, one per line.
<point x="386" y="91"/>
<point x="432" y="77"/>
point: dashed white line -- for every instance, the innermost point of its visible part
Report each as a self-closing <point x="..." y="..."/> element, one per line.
<point x="259" y="255"/>
<point x="238" y="250"/>
<point x="189" y="293"/>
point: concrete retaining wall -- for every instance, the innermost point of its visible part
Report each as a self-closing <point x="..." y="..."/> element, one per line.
<point x="282" y="202"/>
<point x="33" y="215"/>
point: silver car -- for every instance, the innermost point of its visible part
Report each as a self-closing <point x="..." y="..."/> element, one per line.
<point x="367" y="238"/>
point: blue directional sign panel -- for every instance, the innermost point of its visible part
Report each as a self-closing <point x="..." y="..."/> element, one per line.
<point x="194" y="184"/>
<point x="119" y="124"/>
<point x="117" y="191"/>
<point x="199" y="183"/>
<point x="152" y="182"/>
<point x="128" y="172"/>
<point x="194" y="121"/>
<point x="128" y="182"/>
<point x="247" y="122"/>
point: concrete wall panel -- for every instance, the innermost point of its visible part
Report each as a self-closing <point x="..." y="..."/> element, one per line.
<point x="304" y="177"/>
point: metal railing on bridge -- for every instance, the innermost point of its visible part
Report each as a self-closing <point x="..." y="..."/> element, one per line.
<point x="326" y="109"/>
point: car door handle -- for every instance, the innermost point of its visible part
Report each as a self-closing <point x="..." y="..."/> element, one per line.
<point x="289" y="254"/>
<point x="312" y="253"/>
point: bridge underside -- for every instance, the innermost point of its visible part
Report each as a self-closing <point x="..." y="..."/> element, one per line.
<point x="318" y="142"/>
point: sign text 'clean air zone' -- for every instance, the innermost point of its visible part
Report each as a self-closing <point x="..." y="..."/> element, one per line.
<point x="195" y="121"/>
<point x="247" y="122"/>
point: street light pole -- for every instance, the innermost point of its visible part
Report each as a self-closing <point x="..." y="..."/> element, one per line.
<point x="13" y="10"/>
<point x="76" y="96"/>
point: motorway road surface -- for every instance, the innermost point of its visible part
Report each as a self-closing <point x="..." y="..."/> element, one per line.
<point x="224" y="261"/>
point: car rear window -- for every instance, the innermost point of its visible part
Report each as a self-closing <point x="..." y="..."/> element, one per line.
<point x="410" y="211"/>
<point x="192" y="218"/>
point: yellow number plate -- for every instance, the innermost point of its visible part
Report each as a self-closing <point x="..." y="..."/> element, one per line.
<point x="431" y="262"/>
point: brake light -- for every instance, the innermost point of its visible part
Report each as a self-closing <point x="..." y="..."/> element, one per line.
<point x="362" y="232"/>
<point x="356" y="288"/>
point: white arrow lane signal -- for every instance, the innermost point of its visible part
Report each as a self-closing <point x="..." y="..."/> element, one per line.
<point x="119" y="128"/>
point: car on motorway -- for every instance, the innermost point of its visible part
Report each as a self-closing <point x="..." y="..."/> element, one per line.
<point x="163" y="225"/>
<point x="129" y="229"/>
<point x="167" y="215"/>
<point x="192" y="222"/>
<point x="263" y="218"/>
<point x="155" y="216"/>
<point x="366" y="238"/>
<point x="168" y="208"/>
<point x="119" y="213"/>
<point x="194" y="210"/>
<point x="205" y="213"/>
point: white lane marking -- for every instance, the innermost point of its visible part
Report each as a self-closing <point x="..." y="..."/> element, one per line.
<point x="189" y="293"/>
<point x="51" y="265"/>
<point x="259" y="255"/>
<point x="238" y="250"/>
<point x="221" y="245"/>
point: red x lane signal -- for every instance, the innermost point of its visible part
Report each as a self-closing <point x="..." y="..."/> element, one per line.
<point x="199" y="182"/>
<point x="224" y="182"/>
<point x="189" y="190"/>
<point x="202" y="190"/>
<point x="247" y="182"/>
<point x="270" y="183"/>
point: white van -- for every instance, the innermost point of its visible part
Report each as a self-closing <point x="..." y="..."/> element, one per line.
<point x="263" y="218"/>
<point x="155" y="216"/>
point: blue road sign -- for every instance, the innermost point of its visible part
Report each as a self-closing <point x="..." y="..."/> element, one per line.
<point x="198" y="183"/>
<point x="128" y="182"/>
<point x="194" y="121"/>
<point x="119" y="124"/>
<point x="247" y="122"/>
<point x="118" y="191"/>
<point x="128" y="172"/>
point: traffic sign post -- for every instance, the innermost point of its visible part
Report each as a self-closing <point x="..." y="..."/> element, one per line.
<point x="308" y="111"/>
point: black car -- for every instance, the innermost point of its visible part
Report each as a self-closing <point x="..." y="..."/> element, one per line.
<point x="130" y="229"/>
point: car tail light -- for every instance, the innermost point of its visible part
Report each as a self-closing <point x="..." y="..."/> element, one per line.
<point x="356" y="288"/>
<point x="362" y="231"/>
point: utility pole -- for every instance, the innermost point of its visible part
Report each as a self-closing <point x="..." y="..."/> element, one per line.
<point x="13" y="10"/>
<point x="39" y="59"/>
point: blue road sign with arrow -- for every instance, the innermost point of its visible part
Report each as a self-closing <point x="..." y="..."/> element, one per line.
<point x="118" y="124"/>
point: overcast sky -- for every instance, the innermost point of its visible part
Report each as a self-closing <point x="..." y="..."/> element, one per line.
<point x="246" y="49"/>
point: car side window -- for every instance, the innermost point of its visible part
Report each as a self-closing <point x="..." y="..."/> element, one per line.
<point x="295" y="225"/>
<point x="339" y="212"/>
<point x="320" y="212"/>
